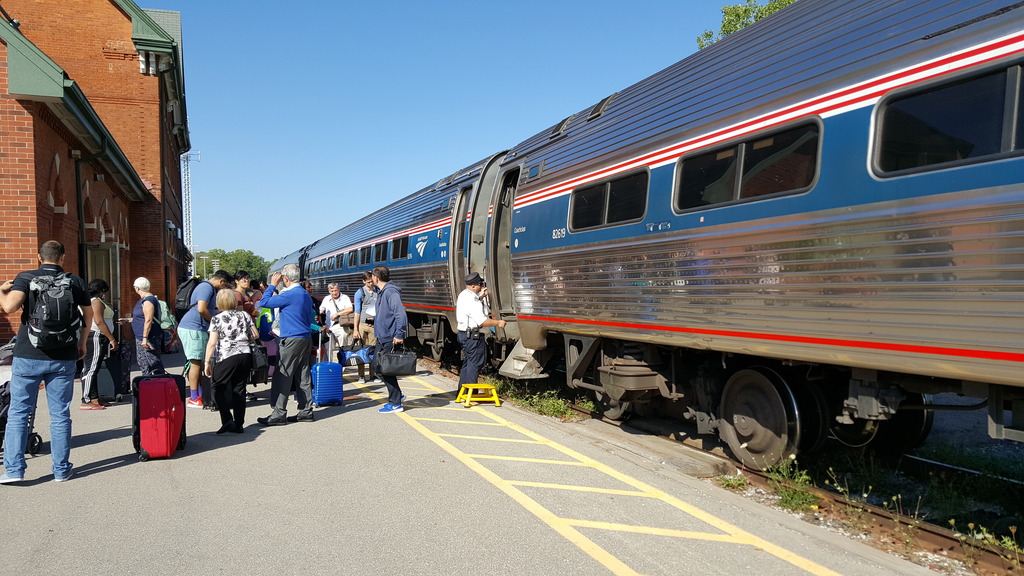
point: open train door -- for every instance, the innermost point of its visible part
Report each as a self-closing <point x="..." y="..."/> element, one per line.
<point x="471" y="228"/>
<point x="501" y="251"/>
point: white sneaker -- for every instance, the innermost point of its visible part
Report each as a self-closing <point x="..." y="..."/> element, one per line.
<point x="362" y="380"/>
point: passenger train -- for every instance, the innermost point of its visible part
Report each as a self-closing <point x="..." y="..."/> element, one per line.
<point x="804" y="230"/>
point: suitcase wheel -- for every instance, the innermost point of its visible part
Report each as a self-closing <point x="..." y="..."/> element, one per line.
<point x="143" y="456"/>
<point x="35" y="442"/>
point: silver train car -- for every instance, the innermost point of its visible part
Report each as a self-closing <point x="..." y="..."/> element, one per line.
<point x="802" y="231"/>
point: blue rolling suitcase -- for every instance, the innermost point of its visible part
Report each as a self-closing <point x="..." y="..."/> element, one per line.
<point x="327" y="383"/>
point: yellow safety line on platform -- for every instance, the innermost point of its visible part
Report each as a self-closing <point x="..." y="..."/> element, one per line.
<point x="581" y="488"/>
<point x="524" y="459"/>
<point x="651" y="530"/>
<point x="458" y="421"/>
<point x="568" y="527"/>
<point x="468" y="437"/>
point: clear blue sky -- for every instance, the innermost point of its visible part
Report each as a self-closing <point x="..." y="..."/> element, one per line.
<point x="312" y="114"/>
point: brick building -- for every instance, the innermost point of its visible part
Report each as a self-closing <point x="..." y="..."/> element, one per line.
<point x="92" y="127"/>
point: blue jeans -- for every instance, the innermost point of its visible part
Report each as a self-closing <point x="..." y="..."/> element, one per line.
<point x="59" y="376"/>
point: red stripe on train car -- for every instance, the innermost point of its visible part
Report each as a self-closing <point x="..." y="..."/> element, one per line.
<point x="867" y="345"/>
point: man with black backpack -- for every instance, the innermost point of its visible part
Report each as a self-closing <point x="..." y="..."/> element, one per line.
<point x="193" y="330"/>
<point x="55" y="321"/>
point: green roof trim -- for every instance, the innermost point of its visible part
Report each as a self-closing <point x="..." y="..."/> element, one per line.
<point x="29" y="70"/>
<point x="146" y="33"/>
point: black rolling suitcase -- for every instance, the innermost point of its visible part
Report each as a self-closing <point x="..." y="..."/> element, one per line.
<point x="260" y="371"/>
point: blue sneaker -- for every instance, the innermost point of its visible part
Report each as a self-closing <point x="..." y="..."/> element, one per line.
<point x="65" y="478"/>
<point x="8" y="479"/>
<point x="391" y="408"/>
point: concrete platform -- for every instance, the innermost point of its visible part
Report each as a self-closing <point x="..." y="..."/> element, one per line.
<point x="438" y="489"/>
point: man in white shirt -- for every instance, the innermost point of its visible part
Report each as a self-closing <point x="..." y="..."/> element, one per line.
<point x="335" y="308"/>
<point x="471" y="315"/>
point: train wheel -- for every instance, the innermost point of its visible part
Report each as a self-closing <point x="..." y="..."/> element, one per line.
<point x="905" y="431"/>
<point x="437" y="349"/>
<point x="856" y="435"/>
<point x="613" y="409"/>
<point x="760" y="417"/>
<point x="814" y="416"/>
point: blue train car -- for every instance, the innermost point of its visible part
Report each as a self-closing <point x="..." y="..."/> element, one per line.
<point x="803" y="230"/>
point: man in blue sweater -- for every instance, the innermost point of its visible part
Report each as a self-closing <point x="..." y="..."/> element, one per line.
<point x="389" y="326"/>
<point x="294" y="315"/>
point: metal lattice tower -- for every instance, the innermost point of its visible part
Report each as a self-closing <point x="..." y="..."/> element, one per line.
<point x="186" y="204"/>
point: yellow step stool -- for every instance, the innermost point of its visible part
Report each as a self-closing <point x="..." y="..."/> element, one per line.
<point x="483" y="393"/>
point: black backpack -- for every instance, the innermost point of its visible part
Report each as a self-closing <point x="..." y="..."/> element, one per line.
<point x="183" y="297"/>
<point x="54" y="320"/>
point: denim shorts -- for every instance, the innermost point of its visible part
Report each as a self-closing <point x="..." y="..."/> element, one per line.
<point x="193" y="343"/>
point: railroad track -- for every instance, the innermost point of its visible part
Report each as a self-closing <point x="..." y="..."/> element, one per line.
<point x="899" y="534"/>
<point x="894" y="533"/>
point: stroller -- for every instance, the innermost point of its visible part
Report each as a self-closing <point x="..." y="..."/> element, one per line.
<point x="35" y="441"/>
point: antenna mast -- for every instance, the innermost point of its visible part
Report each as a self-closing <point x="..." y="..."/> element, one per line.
<point x="186" y="204"/>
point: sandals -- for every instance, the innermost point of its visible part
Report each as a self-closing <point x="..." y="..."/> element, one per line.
<point x="91" y="406"/>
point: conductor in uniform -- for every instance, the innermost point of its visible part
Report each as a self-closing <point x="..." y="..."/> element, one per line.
<point x="472" y="315"/>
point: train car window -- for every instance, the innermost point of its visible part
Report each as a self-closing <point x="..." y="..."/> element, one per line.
<point x="353" y="259"/>
<point x="364" y="255"/>
<point x="460" y="237"/>
<point x="707" y="179"/>
<point x="766" y="164"/>
<point x="780" y="162"/>
<point x="613" y="202"/>
<point x="588" y="206"/>
<point x="627" y="198"/>
<point x="380" y="252"/>
<point x="946" y="124"/>
<point x="400" y="248"/>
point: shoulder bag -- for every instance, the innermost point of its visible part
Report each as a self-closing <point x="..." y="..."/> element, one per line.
<point x="398" y="362"/>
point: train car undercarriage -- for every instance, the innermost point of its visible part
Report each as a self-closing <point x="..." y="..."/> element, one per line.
<point x="768" y="409"/>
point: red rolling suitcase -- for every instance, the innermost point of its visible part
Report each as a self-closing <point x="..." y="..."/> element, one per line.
<point x="158" y="415"/>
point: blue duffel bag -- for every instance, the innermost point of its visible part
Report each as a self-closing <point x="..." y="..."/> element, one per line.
<point x="357" y="350"/>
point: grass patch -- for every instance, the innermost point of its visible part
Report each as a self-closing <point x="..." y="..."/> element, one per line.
<point x="979" y="538"/>
<point x="734" y="482"/>
<point x="792" y="485"/>
<point x="543" y="397"/>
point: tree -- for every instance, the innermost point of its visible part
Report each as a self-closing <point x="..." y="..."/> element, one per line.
<point x="232" y="262"/>
<point x="736" y="17"/>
